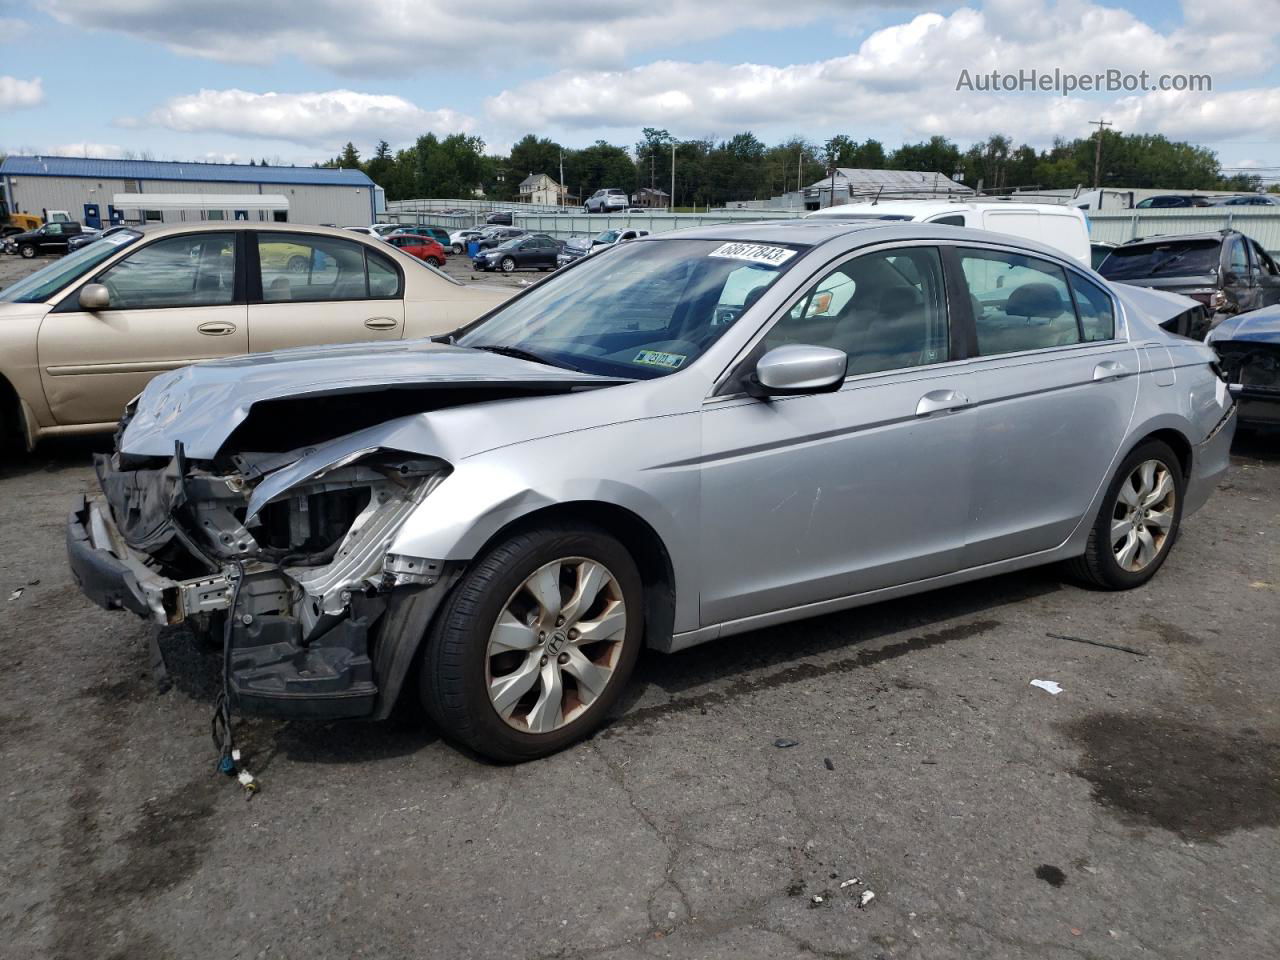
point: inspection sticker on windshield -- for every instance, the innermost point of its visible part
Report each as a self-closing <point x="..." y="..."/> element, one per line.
<point x="656" y="358"/>
<point x="755" y="252"/>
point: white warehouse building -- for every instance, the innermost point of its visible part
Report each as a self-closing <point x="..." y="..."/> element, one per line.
<point x="91" y="191"/>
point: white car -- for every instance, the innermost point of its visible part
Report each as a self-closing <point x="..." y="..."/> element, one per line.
<point x="1060" y="226"/>
<point x="608" y="200"/>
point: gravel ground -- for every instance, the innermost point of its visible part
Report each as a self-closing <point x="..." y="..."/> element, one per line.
<point x="1136" y="814"/>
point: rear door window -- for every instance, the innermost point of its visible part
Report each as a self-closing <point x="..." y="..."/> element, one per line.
<point x="1019" y="302"/>
<point x="299" y="267"/>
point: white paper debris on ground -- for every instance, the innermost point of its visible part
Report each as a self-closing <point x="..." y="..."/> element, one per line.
<point x="16" y="594"/>
<point x="867" y="897"/>
<point x="817" y="899"/>
<point x="1048" y="686"/>
<point x="850" y="883"/>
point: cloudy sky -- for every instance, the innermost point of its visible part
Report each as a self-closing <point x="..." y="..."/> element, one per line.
<point x="295" y="79"/>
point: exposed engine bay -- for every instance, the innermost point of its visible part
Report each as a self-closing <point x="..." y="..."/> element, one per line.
<point x="304" y="577"/>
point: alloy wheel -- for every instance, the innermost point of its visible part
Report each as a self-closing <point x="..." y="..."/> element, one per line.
<point x="555" y="645"/>
<point x="508" y="265"/>
<point x="1143" y="515"/>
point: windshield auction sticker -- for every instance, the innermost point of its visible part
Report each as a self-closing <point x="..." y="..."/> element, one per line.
<point x="656" y="358"/>
<point x="754" y="252"/>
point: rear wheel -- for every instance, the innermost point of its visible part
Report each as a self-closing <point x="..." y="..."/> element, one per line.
<point x="434" y="261"/>
<point x="533" y="648"/>
<point x="297" y="264"/>
<point x="1138" y="523"/>
<point x="457" y="248"/>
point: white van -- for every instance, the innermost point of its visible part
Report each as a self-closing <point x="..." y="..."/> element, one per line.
<point x="1057" y="226"/>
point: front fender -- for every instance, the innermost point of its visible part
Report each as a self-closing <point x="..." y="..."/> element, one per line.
<point x="488" y="492"/>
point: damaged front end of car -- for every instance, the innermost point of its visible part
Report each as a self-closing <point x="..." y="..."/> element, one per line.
<point x="285" y="556"/>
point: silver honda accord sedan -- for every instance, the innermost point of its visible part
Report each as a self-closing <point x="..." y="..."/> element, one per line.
<point x="690" y="436"/>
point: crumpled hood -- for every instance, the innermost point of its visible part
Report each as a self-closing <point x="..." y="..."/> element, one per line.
<point x="1257" y="326"/>
<point x="201" y="405"/>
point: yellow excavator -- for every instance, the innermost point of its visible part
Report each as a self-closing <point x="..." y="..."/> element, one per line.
<point x="11" y="223"/>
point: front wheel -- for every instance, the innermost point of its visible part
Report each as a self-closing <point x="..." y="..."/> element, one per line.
<point x="508" y="264"/>
<point x="533" y="647"/>
<point x="1138" y="523"/>
<point x="457" y="248"/>
<point x="27" y="250"/>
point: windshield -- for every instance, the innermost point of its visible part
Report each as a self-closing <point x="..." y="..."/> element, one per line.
<point x="648" y="309"/>
<point x="44" y="283"/>
<point x="1176" y="258"/>
<point x="607" y="236"/>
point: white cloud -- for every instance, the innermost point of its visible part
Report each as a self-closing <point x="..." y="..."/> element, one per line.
<point x="376" y="35"/>
<point x="87" y="149"/>
<point x="12" y="29"/>
<point x="15" y="93"/>
<point x="321" y="119"/>
<point x="904" y="77"/>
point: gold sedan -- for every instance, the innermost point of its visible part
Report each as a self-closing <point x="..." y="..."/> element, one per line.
<point x="81" y="337"/>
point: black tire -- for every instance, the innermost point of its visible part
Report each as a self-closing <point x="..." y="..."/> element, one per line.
<point x="453" y="683"/>
<point x="508" y="265"/>
<point x="1098" y="567"/>
<point x="27" y="250"/>
<point x="297" y="264"/>
<point x="434" y="261"/>
<point x="457" y="248"/>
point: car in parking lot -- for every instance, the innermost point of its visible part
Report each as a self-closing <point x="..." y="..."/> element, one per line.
<point x="439" y="234"/>
<point x="701" y="433"/>
<point x="459" y="238"/>
<point x="82" y="336"/>
<point x="1226" y="271"/>
<point x="1168" y="200"/>
<point x="607" y="200"/>
<point x="427" y="249"/>
<point x="1249" y="200"/>
<point x="496" y="236"/>
<point x="89" y="236"/>
<point x="532" y="250"/>
<point x="52" y="237"/>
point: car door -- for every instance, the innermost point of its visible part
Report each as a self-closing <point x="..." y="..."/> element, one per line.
<point x="815" y="497"/>
<point x="52" y="238"/>
<point x="1053" y="384"/>
<point x="174" y="301"/>
<point x="307" y="289"/>
<point x="1267" y="275"/>
<point x="1237" y="277"/>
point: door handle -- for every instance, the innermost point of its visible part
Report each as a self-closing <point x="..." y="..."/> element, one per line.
<point x="936" y="401"/>
<point x="217" y="328"/>
<point x="381" y="323"/>
<point x="1109" y="370"/>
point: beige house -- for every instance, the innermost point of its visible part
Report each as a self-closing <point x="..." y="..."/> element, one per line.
<point x="540" y="188"/>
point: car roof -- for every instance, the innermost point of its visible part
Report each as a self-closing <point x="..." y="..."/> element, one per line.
<point x="928" y="208"/>
<point x="850" y="233"/>
<point x="1216" y="236"/>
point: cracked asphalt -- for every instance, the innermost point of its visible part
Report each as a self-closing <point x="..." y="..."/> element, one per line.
<point x="1136" y="814"/>
<point x="1133" y="815"/>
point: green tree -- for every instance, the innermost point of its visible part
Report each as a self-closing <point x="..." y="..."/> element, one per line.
<point x="350" y="157"/>
<point x="936" y="155"/>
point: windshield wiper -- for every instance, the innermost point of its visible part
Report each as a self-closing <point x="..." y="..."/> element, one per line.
<point x="519" y="353"/>
<point x="1167" y="261"/>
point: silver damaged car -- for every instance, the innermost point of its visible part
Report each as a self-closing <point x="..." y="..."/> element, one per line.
<point x="688" y="437"/>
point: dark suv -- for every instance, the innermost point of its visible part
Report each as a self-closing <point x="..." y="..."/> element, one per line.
<point x="1226" y="271"/>
<point x="51" y="238"/>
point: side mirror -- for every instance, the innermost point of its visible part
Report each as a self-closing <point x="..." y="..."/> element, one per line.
<point x="94" y="296"/>
<point x="796" y="368"/>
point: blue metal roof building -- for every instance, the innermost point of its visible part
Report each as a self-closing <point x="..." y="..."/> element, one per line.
<point x="170" y="170"/>
<point x="85" y="186"/>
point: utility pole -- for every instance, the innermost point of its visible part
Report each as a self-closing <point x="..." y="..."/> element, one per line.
<point x="671" y="200"/>
<point x="1097" y="154"/>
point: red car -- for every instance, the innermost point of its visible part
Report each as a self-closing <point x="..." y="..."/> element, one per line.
<point x="424" y="248"/>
